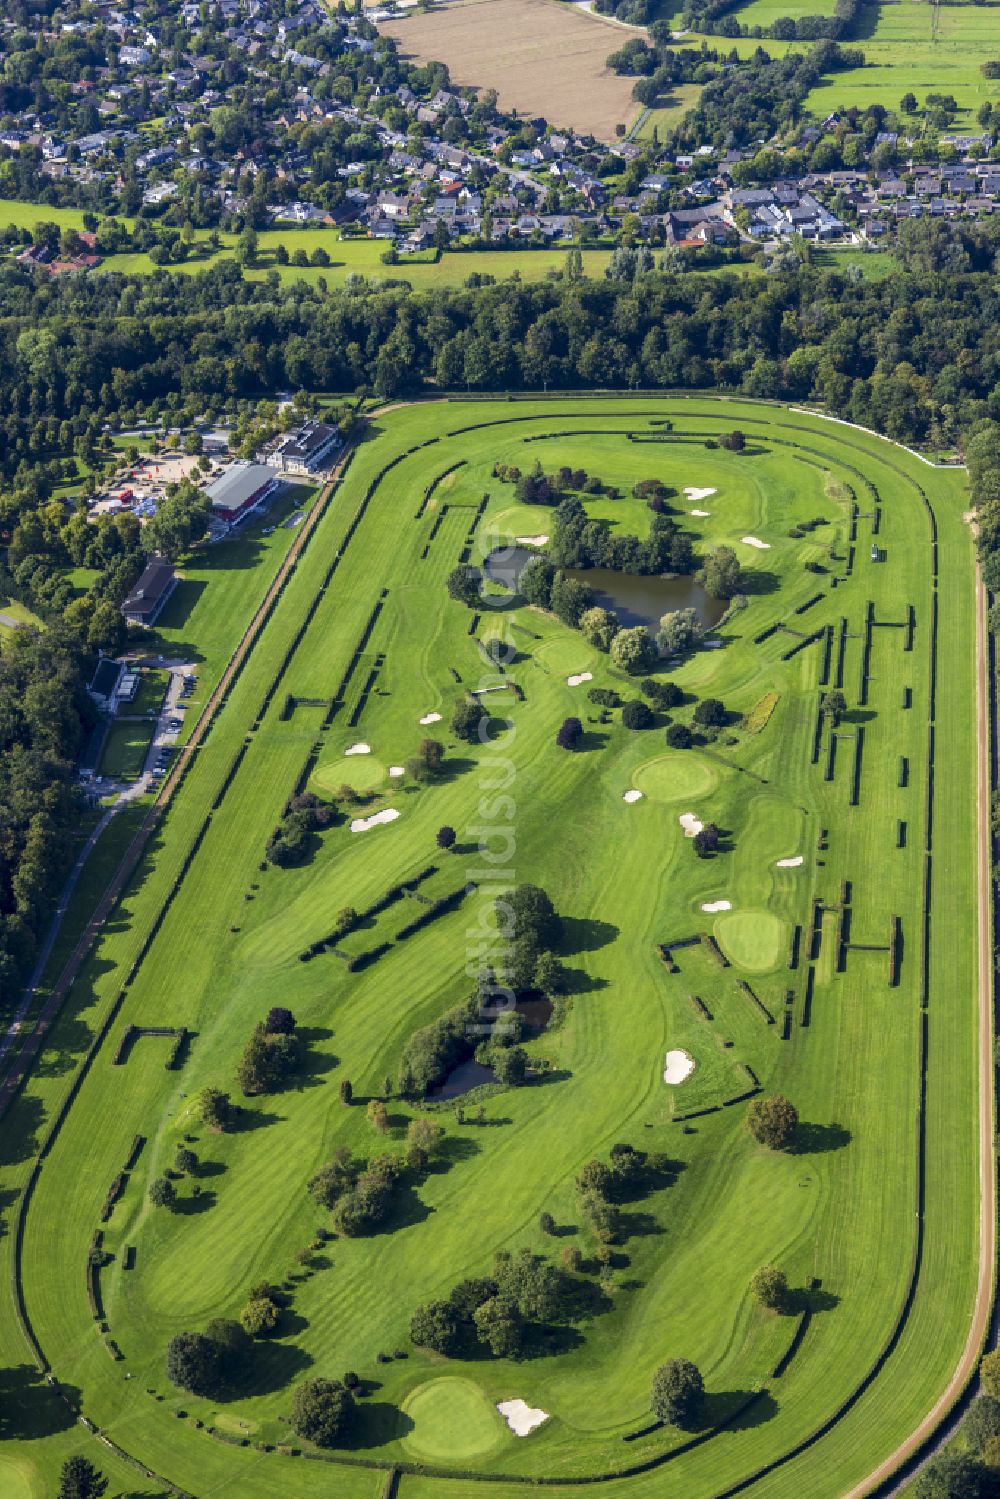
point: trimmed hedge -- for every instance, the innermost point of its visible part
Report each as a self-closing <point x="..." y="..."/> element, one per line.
<point x="710" y="944"/>
<point x="755" y="1001"/>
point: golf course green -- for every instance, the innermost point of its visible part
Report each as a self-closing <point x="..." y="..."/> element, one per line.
<point x="838" y="981"/>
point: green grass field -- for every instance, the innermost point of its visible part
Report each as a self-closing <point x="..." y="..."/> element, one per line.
<point x="840" y="1209"/>
<point x="125" y="748"/>
<point x="14" y="616"/>
<point x="348" y="255"/>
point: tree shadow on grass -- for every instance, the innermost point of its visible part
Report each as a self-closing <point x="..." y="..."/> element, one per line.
<point x="590" y="739"/>
<point x="452" y="767"/>
<point x="272" y="1366"/>
<point x="585" y="934"/>
<point x="376" y="1423"/>
<point x="190" y="1207"/>
<point x="8" y="1197"/>
<point x="758" y="580"/>
<point x="19" y="1135"/>
<point x="578" y="981"/>
<point x="30" y="1408"/>
<point x="249" y="1119"/>
<point x="816" y="1139"/>
<point x="738" y="1410"/>
<point x="71" y="1039"/>
<point x="638" y="1225"/>
<point x="452" y="1150"/>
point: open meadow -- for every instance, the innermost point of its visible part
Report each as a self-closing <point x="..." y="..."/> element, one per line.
<point x="816" y="953"/>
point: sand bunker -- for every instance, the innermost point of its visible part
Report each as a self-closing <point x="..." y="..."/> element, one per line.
<point x="431" y="718"/>
<point x="397" y="770"/>
<point x="578" y="677"/>
<point x="789" y="863"/>
<point x="701" y="512"/>
<point x="690" y="824"/>
<point x="755" y="541"/>
<point x="521" y="1418"/>
<point x="359" y="749"/>
<point x="694" y="495"/>
<point x="362" y="824"/>
<point x="680" y="1064"/>
<point x="632" y="796"/>
<point x="717" y="905"/>
<point x="531" y="541"/>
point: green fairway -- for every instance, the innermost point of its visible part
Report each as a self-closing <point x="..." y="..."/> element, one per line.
<point x="754" y="940"/>
<point x="790" y="990"/>
<point x="452" y="1422"/>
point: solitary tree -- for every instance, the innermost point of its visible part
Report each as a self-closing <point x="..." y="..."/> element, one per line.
<point x="678" y="632"/>
<point x="377" y="1116"/>
<point x="636" y="715"/>
<point x="259" y="1317"/>
<point x="346" y="1091"/>
<point x="706" y="841"/>
<point x="194" y="1362"/>
<point x="679" y="736"/>
<point x="463" y="585"/>
<point x="446" y="837"/>
<point x="769" y="1288"/>
<point x="677" y="1393"/>
<point x="721" y="574"/>
<point x="435" y="1325"/>
<point x="467" y="719"/>
<point x="215" y="1108"/>
<point x="834" y="707"/>
<point x="321" y="1411"/>
<point x="161" y="1193"/>
<point x="710" y="712"/>
<point x="570" y="733"/>
<point x="633" y="651"/>
<point x="279" y="1022"/>
<point x="185" y="1160"/>
<point x="772" y="1121"/>
<point x="81" y="1480"/>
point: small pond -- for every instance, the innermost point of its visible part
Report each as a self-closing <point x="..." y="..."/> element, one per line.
<point x="636" y="599"/>
<point x="535" y="1011"/>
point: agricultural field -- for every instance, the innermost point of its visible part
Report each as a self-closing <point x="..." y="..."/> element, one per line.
<point x="913" y="46"/>
<point x="542" y="58"/>
<point x="813" y="954"/>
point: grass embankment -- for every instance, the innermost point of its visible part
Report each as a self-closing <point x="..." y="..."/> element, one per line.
<point x="841" y="1210"/>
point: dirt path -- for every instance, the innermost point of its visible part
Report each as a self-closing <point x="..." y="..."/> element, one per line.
<point x="33" y="1042"/>
<point x="982" y="1313"/>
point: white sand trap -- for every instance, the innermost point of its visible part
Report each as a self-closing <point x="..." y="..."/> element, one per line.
<point x="632" y="796"/>
<point x="431" y="718"/>
<point x="701" y="512"/>
<point x="397" y="770"/>
<point x="521" y="1418"/>
<point x="362" y="824"/>
<point x="359" y="749"/>
<point x="789" y="863"/>
<point x="578" y="677"/>
<point x="717" y="905"/>
<point x="695" y="495"/>
<point x="690" y="824"/>
<point x="755" y="541"/>
<point x="680" y="1064"/>
<point x="531" y="541"/>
